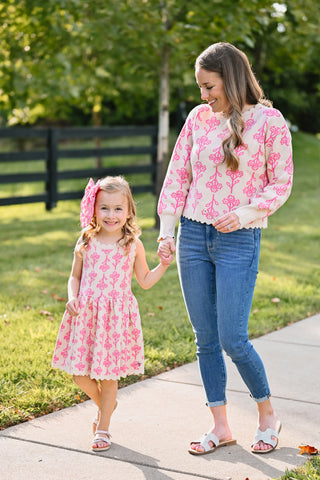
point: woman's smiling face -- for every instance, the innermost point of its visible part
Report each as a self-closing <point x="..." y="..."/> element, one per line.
<point x="212" y="90"/>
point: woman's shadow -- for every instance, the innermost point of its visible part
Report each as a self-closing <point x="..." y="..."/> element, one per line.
<point x="149" y="466"/>
<point x="264" y="463"/>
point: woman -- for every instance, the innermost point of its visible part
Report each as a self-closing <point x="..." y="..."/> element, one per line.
<point x="231" y="168"/>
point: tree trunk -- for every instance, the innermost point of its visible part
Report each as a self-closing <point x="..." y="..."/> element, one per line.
<point x="163" y="123"/>
<point x="96" y="117"/>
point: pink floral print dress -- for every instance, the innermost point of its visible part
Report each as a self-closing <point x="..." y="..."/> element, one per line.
<point x="105" y="340"/>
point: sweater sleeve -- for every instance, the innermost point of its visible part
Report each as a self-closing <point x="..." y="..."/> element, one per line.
<point x="177" y="181"/>
<point x="277" y="180"/>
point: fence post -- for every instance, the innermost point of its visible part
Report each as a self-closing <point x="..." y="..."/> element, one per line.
<point x="52" y="164"/>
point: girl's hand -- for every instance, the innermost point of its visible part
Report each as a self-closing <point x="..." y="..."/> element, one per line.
<point x="72" y="307"/>
<point x="166" y="261"/>
<point x="227" y="223"/>
<point x="166" y="250"/>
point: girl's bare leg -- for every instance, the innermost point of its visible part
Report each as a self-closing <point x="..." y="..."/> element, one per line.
<point x="108" y="397"/>
<point x="92" y="388"/>
<point x="89" y="386"/>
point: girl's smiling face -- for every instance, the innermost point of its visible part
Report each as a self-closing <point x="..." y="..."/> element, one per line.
<point x="111" y="211"/>
<point x="212" y="90"/>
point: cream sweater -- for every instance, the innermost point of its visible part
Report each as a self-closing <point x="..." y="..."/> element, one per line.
<point x="198" y="184"/>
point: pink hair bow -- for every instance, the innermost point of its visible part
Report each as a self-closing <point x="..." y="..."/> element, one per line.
<point x="87" y="203"/>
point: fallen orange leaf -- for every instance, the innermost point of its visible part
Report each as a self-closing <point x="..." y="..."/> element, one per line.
<point x="45" y="312"/>
<point x="308" y="449"/>
<point x="59" y="299"/>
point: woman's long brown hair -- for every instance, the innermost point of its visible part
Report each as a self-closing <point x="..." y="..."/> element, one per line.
<point x="241" y="88"/>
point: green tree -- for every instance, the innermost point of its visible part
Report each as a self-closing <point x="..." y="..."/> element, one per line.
<point x="285" y="56"/>
<point x="170" y="33"/>
<point x="55" y="56"/>
<point x="113" y="59"/>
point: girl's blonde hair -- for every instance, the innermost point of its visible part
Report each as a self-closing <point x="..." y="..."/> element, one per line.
<point x="130" y="231"/>
<point x="241" y="88"/>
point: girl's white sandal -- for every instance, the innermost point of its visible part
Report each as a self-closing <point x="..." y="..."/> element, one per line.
<point x="95" y="422"/>
<point x="98" y="438"/>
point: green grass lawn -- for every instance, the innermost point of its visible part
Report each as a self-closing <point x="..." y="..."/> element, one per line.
<point x="35" y="261"/>
<point x="309" y="471"/>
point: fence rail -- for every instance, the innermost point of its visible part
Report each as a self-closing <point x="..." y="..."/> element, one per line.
<point x="53" y="152"/>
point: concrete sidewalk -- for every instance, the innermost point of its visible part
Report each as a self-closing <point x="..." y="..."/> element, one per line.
<point x="157" y="418"/>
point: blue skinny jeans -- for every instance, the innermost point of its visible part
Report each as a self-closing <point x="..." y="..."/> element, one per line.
<point x="218" y="273"/>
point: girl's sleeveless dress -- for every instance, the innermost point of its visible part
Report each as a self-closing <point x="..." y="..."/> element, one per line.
<point x="105" y="340"/>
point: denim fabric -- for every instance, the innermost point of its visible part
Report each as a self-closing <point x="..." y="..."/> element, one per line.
<point x="218" y="272"/>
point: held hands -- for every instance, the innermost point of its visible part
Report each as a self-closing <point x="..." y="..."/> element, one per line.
<point x="72" y="306"/>
<point x="227" y="223"/>
<point x="166" y="250"/>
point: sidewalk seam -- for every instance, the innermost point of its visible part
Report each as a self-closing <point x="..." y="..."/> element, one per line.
<point x="287" y="342"/>
<point x="95" y="454"/>
<point x="309" y="402"/>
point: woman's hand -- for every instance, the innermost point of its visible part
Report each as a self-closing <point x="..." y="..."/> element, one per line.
<point x="227" y="223"/>
<point x="166" y="250"/>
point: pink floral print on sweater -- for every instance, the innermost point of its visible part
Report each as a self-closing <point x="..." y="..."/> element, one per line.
<point x="200" y="186"/>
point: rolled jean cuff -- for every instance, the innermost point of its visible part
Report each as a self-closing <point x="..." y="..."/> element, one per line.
<point x="263" y="399"/>
<point x="216" y="404"/>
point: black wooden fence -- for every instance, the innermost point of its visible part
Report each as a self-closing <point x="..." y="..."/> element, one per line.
<point x="55" y="139"/>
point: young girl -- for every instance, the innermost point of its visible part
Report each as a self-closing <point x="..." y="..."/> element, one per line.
<point x="100" y="337"/>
